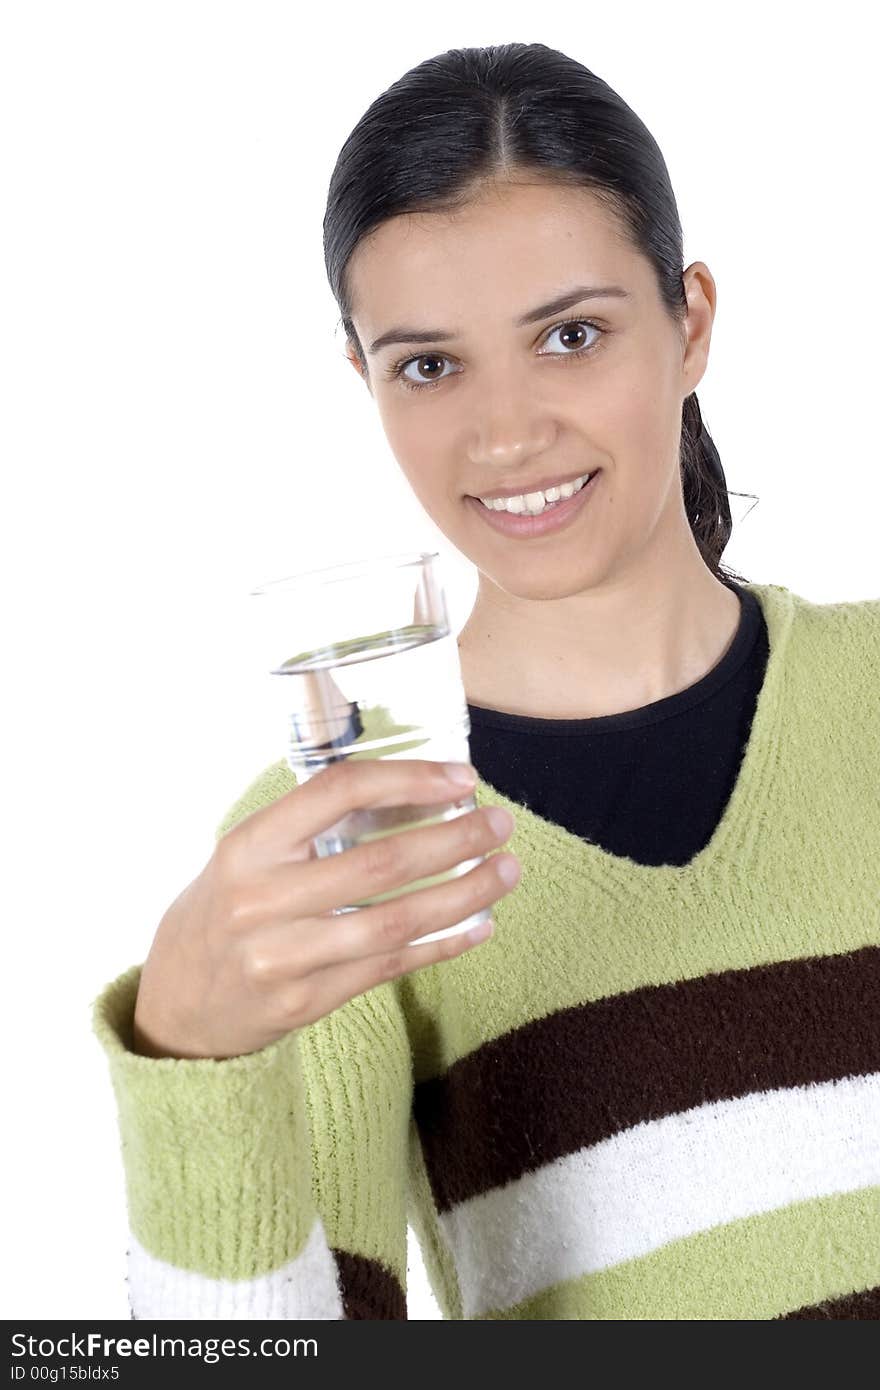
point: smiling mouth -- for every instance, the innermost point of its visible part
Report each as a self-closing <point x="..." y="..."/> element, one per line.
<point x="549" y="518"/>
<point x="537" y="502"/>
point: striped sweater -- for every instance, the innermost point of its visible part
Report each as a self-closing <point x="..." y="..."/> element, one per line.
<point x="653" y="1093"/>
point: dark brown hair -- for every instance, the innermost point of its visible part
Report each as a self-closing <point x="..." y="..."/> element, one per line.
<point x="473" y="114"/>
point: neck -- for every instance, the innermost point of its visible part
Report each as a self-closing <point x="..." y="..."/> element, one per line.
<point x="623" y="644"/>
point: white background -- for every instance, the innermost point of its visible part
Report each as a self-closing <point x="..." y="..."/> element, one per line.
<point x="179" y="425"/>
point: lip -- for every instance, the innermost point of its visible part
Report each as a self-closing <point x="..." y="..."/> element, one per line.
<point x="524" y="526"/>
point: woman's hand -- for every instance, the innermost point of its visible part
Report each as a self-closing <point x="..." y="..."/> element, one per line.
<point x="248" y="952"/>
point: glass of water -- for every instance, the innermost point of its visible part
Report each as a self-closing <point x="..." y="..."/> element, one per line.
<point x="365" y="666"/>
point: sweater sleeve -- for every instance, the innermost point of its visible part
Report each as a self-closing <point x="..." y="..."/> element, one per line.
<point x="271" y="1185"/>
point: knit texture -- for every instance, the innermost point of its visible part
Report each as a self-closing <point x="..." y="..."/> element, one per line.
<point x="653" y="1093"/>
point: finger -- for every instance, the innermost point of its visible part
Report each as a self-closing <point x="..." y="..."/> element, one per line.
<point x="357" y="784"/>
<point x="413" y="855"/>
<point x="328" y="989"/>
<point x="291" y="950"/>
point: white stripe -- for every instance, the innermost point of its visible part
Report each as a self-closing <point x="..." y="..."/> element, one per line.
<point x="306" y="1287"/>
<point x="661" y="1181"/>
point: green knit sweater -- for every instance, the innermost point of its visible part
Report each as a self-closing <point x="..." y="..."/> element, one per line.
<point x="653" y="1093"/>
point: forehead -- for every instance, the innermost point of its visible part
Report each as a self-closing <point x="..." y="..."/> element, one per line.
<point x="514" y="240"/>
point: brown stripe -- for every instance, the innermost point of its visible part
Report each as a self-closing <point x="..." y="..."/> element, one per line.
<point x="581" y="1074"/>
<point x="369" y="1289"/>
<point x="852" y="1305"/>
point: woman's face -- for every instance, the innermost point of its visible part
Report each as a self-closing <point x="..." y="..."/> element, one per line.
<point x="483" y="404"/>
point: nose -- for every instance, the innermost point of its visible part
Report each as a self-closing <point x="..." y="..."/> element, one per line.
<point x="509" y="424"/>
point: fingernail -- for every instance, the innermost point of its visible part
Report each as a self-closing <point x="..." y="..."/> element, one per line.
<point x="508" y="869"/>
<point x="482" y="932"/>
<point x="501" y="820"/>
<point x="460" y="773"/>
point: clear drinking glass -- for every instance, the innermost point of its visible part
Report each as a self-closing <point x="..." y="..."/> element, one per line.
<point x="365" y="666"/>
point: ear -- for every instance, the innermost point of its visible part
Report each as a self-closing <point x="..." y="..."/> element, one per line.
<point x="355" y="362"/>
<point x="701" y="294"/>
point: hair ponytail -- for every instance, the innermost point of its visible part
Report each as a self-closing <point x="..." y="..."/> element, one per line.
<point x="704" y="486"/>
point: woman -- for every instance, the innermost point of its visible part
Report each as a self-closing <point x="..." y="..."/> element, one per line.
<point x="653" y="1093"/>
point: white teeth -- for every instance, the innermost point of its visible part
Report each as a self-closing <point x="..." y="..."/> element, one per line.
<point x="535" y="502"/>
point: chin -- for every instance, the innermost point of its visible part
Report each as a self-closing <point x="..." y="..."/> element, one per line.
<point x="548" y="590"/>
<point x="544" y="583"/>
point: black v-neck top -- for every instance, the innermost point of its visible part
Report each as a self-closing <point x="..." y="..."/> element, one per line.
<point x="650" y="783"/>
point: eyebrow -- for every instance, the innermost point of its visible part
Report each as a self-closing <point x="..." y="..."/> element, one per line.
<point x="541" y="311"/>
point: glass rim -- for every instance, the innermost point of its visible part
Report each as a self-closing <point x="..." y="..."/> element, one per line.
<point x="347" y="569"/>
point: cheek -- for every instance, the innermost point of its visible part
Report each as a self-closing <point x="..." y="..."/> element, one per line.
<point x="627" y="405"/>
<point x="636" y="418"/>
<point x="420" y="450"/>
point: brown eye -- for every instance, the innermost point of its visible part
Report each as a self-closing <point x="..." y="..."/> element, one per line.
<point x="572" y="330"/>
<point x="401" y="370"/>
<point x="418" y="361"/>
<point x="573" y="334"/>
